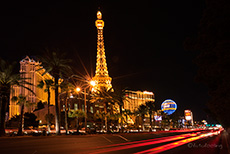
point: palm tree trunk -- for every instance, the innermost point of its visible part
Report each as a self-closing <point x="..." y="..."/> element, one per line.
<point x="66" y="120"/>
<point x="143" y="127"/>
<point x="150" y="118"/>
<point x="21" y="122"/>
<point x="57" y="117"/>
<point x="48" y="119"/>
<point x="121" y="113"/>
<point x="138" y="123"/>
<point x="4" y="100"/>
<point x="77" y="124"/>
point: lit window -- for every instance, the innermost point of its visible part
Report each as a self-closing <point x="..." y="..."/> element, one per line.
<point x="23" y="68"/>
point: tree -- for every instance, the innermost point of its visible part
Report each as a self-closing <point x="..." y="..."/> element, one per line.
<point x="8" y="79"/>
<point x="99" y="118"/>
<point x="119" y="97"/>
<point x="49" y="117"/>
<point x="142" y="111"/>
<point x="30" y="120"/>
<point x="58" y="67"/>
<point x="21" y="100"/>
<point x="78" y="114"/>
<point x="104" y="97"/>
<point x="213" y="44"/>
<point x="49" y="84"/>
<point x="150" y="108"/>
<point x="40" y="105"/>
<point x="174" y="119"/>
<point x="67" y="88"/>
<point x="127" y="113"/>
<point x="165" y="119"/>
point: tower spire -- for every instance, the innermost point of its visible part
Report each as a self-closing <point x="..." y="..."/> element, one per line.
<point x="101" y="77"/>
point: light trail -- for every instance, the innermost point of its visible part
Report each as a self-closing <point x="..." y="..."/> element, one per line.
<point x="135" y="144"/>
<point x="176" y="144"/>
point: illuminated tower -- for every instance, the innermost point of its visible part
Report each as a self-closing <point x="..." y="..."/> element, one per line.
<point x="101" y="77"/>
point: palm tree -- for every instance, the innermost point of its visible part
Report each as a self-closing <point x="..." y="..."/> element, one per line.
<point x="49" y="84"/>
<point x="8" y="79"/>
<point x="127" y="113"/>
<point x="21" y="100"/>
<point x="49" y="117"/>
<point x="57" y="66"/>
<point x="67" y="88"/>
<point x="113" y="118"/>
<point x="150" y="108"/>
<point x="120" y="98"/>
<point x="165" y="120"/>
<point x="77" y="114"/>
<point x="142" y="111"/>
<point x="99" y="116"/>
<point x="104" y="96"/>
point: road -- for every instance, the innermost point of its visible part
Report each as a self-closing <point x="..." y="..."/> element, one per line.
<point x="139" y="143"/>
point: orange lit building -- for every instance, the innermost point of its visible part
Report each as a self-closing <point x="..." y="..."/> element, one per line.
<point x="137" y="98"/>
<point x="134" y="99"/>
<point x="28" y="69"/>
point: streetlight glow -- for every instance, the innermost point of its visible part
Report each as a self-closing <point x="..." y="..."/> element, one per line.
<point x="92" y="83"/>
<point x="78" y="89"/>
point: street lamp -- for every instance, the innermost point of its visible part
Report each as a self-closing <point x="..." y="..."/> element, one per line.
<point x="78" y="89"/>
<point x="92" y="83"/>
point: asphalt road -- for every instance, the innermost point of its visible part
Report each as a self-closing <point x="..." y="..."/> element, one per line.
<point x="175" y="142"/>
<point x="216" y="144"/>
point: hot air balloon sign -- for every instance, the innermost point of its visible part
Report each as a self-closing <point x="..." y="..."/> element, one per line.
<point x="168" y="106"/>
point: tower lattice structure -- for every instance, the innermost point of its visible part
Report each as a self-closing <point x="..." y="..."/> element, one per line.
<point x="101" y="77"/>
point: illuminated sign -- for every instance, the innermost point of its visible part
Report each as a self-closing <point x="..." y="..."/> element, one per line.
<point x="158" y="118"/>
<point x="188" y="115"/>
<point x="168" y="106"/>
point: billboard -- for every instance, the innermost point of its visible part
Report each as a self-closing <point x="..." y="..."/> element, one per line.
<point x="168" y="106"/>
<point x="188" y="115"/>
<point x="158" y="118"/>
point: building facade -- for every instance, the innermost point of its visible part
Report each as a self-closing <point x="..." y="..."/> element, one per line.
<point x="30" y="70"/>
<point x="136" y="98"/>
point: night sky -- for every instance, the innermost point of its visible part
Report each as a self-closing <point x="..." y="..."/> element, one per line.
<point x="143" y="42"/>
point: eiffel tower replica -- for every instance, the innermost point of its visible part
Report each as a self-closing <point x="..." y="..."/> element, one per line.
<point x="101" y="77"/>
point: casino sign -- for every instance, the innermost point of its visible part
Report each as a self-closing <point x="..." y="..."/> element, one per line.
<point x="168" y="106"/>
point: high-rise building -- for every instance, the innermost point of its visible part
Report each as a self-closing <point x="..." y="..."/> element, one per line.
<point x="28" y="70"/>
<point x="101" y="77"/>
<point x="137" y="98"/>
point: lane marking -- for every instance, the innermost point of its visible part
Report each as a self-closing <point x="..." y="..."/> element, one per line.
<point x="122" y="137"/>
<point x="107" y="139"/>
